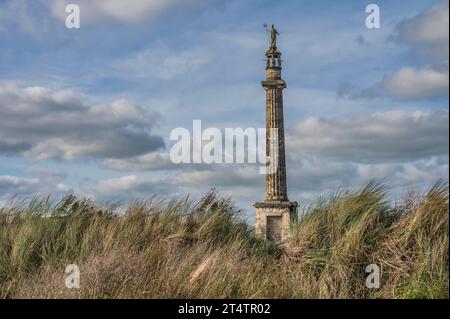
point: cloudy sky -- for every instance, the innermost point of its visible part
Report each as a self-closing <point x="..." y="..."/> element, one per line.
<point x="90" y="110"/>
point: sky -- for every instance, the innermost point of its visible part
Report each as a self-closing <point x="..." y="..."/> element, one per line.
<point x="89" y="111"/>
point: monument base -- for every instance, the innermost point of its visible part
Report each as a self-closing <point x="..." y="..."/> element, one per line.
<point x="273" y="219"/>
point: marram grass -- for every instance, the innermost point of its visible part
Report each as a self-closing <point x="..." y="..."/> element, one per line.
<point x="179" y="249"/>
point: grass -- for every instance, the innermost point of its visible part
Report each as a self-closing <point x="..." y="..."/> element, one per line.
<point x="180" y="249"/>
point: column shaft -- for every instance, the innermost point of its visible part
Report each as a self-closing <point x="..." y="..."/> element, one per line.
<point x="276" y="188"/>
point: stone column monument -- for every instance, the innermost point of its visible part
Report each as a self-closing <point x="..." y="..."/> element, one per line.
<point x="276" y="212"/>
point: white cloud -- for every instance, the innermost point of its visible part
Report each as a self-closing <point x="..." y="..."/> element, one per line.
<point x="155" y="161"/>
<point x="11" y="185"/>
<point x="129" y="11"/>
<point x="127" y="187"/>
<point x="39" y="123"/>
<point x="232" y="175"/>
<point x="429" y="28"/>
<point x="309" y="179"/>
<point x="42" y="184"/>
<point x="427" y="35"/>
<point x="377" y="137"/>
<point x="117" y="184"/>
<point x="412" y="83"/>
<point x="147" y="162"/>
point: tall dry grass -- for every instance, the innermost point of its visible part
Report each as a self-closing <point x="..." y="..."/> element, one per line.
<point x="176" y="249"/>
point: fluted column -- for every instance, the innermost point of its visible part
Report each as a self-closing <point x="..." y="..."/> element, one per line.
<point x="276" y="185"/>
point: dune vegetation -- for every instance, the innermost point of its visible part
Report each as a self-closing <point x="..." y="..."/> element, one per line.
<point x="182" y="249"/>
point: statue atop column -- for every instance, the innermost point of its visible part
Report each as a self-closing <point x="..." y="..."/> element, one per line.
<point x="272" y="36"/>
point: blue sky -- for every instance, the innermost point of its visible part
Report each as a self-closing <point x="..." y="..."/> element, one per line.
<point x="90" y="110"/>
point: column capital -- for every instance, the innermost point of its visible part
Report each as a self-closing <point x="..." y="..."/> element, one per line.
<point x="274" y="84"/>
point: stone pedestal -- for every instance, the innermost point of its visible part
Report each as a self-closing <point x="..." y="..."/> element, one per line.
<point x="273" y="219"/>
